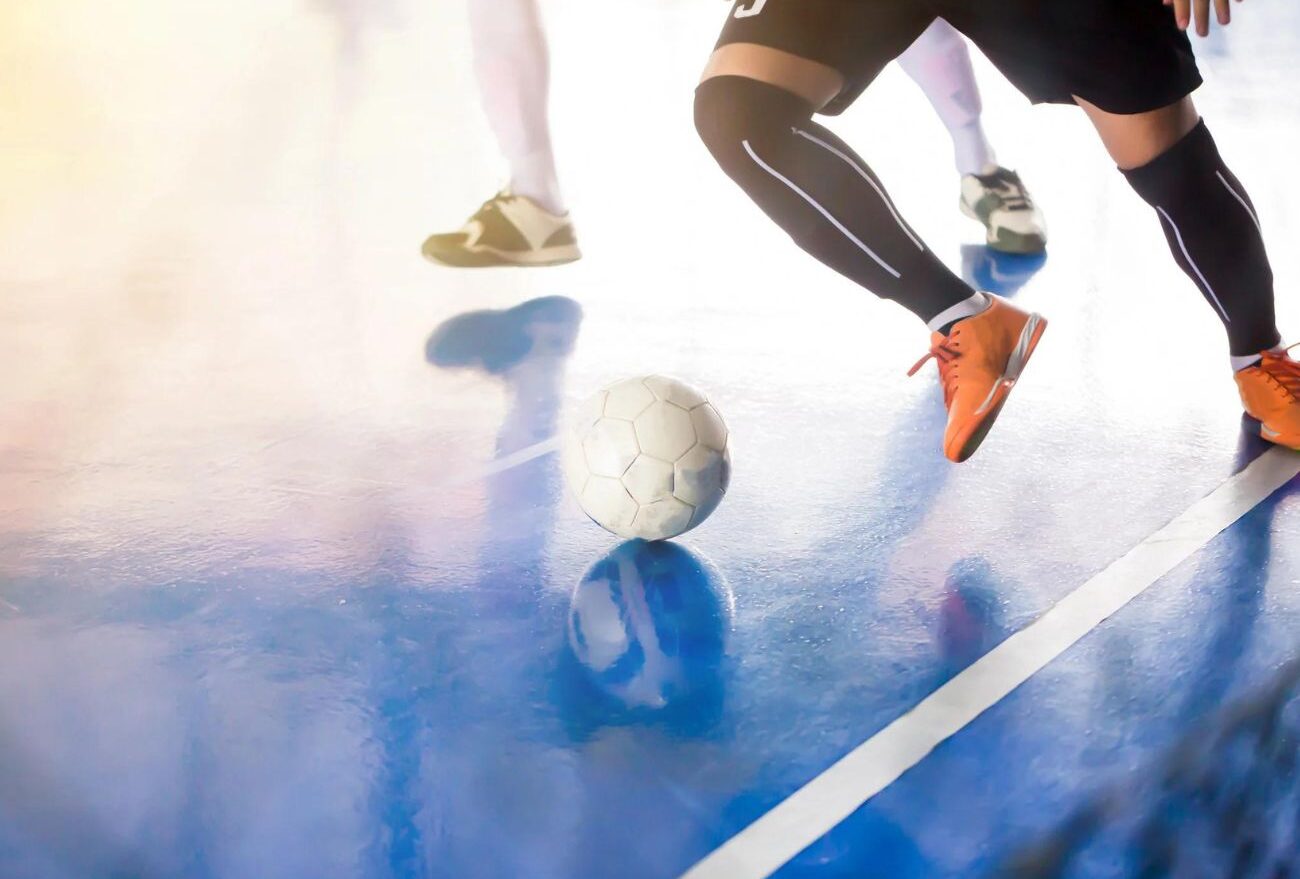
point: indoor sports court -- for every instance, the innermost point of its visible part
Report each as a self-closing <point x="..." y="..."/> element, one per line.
<point x="292" y="585"/>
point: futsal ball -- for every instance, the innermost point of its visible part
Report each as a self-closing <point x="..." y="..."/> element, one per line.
<point x="648" y="623"/>
<point x="647" y="457"/>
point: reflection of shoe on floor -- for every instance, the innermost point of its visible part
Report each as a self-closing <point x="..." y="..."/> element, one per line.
<point x="508" y="230"/>
<point x="1270" y="394"/>
<point x="997" y="272"/>
<point x="499" y="341"/>
<point x="1000" y="201"/>
<point x="979" y="363"/>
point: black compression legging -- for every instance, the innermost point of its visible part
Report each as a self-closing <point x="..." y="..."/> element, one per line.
<point x="1214" y="235"/>
<point x="820" y="192"/>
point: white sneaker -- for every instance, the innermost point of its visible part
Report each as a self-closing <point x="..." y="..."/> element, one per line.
<point x="508" y="230"/>
<point x="1000" y="201"/>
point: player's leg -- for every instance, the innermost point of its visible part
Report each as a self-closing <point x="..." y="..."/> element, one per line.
<point x="1132" y="70"/>
<point x="527" y="223"/>
<point x="939" y="62"/>
<point x="754" y="110"/>
<point x="1214" y="234"/>
<point x="512" y="66"/>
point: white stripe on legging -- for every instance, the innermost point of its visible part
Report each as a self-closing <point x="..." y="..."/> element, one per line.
<point x="1254" y="219"/>
<point x="1191" y="262"/>
<point x="867" y="177"/>
<point x="821" y="210"/>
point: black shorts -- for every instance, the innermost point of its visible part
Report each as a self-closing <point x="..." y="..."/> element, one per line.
<point x="1125" y="56"/>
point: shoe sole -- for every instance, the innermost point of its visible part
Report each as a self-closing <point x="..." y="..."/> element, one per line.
<point x="488" y="258"/>
<point x="1025" y="346"/>
<point x="1255" y="426"/>
<point x="1004" y="240"/>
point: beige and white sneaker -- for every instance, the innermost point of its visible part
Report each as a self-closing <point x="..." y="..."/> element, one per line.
<point x="1000" y="201"/>
<point x="508" y="230"/>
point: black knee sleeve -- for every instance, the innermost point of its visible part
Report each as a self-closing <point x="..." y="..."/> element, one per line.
<point x="820" y="192"/>
<point x="738" y="118"/>
<point x="732" y="109"/>
<point x="1214" y="235"/>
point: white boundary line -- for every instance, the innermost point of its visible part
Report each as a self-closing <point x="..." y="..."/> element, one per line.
<point x="810" y="812"/>
<point x="506" y="462"/>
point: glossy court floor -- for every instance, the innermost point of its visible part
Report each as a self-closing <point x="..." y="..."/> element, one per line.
<point x="289" y="582"/>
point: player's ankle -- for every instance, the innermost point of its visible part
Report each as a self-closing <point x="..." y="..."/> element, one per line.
<point x="1246" y="361"/>
<point x="943" y="322"/>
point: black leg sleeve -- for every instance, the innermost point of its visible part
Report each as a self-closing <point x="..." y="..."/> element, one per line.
<point x="1214" y="234"/>
<point x="820" y="192"/>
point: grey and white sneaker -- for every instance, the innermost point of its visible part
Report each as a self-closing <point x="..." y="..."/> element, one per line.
<point x="508" y="230"/>
<point x="1000" y="201"/>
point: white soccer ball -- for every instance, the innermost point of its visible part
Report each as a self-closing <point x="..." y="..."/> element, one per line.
<point x="647" y="457"/>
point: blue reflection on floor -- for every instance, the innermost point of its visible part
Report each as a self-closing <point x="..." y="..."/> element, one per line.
<point x="310" y="600"/>
<point x="511" y="725"/>
<point x="647" y="637"/>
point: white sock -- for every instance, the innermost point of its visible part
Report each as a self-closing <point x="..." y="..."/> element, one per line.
<point x="976" y="304"/>
<point x="1248" y="360"/>
<point x="533" y="175"/>
<point x="513" y="71"/>
<point x="939" y="63"/>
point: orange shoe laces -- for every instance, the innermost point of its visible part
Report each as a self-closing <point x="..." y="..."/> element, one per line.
<point x="1282" y="369"/>
<point x="945" y="354"/>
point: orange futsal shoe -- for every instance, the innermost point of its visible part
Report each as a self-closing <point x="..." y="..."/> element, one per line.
<point x="1270" y="394"/>
<point x="979" y="362"/>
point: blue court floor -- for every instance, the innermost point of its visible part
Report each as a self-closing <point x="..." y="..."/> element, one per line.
<point x="291" y="588"/>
